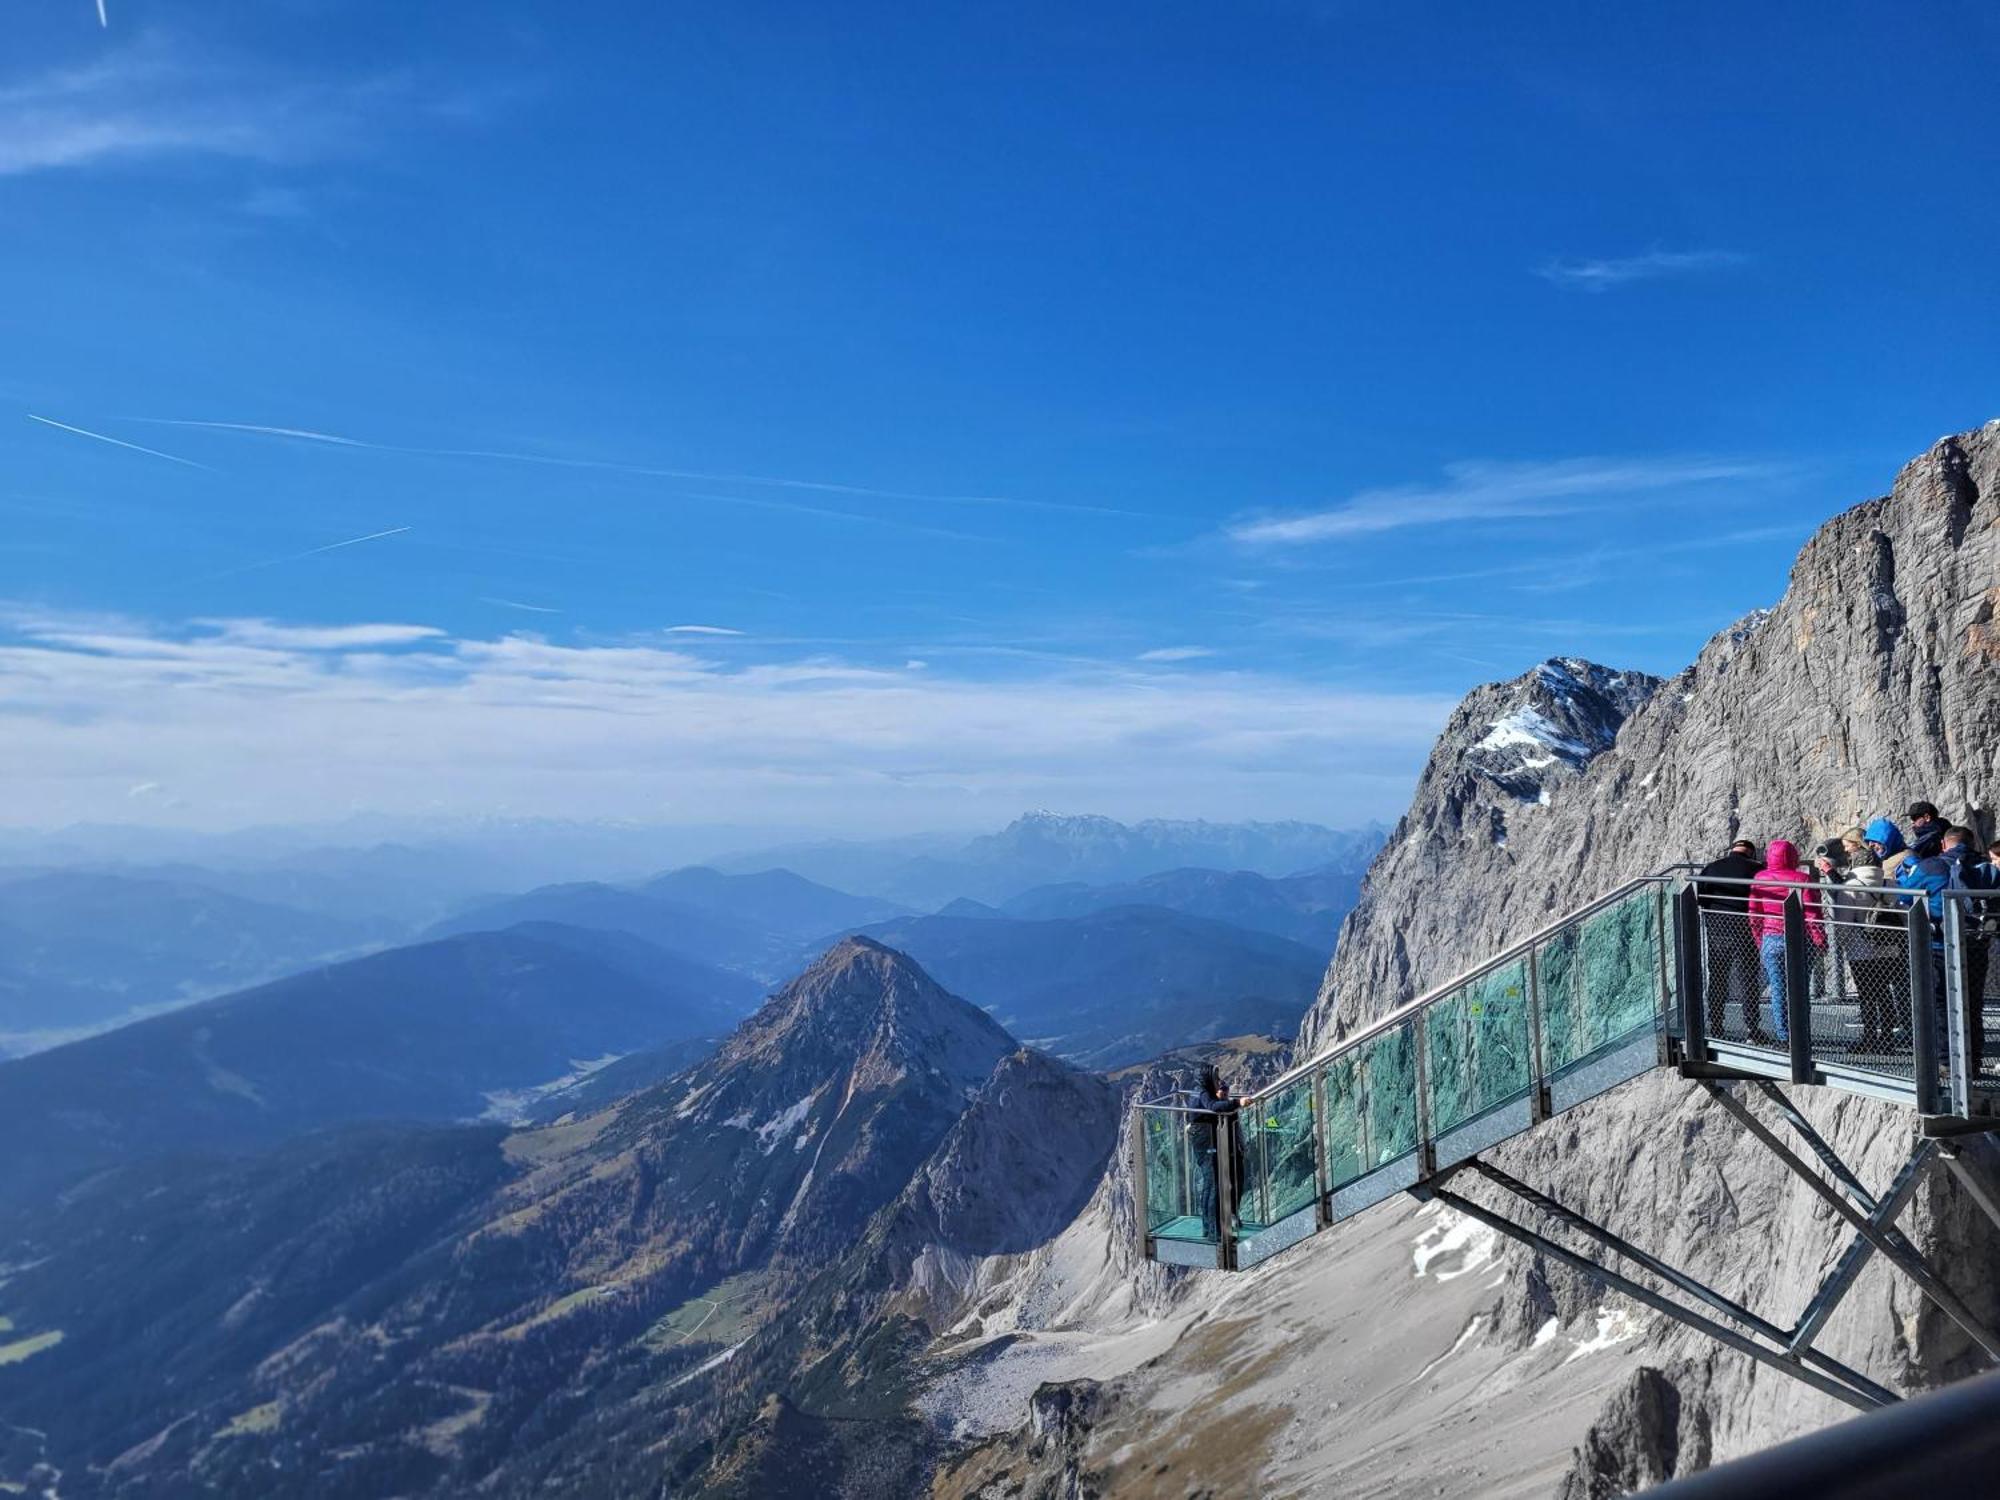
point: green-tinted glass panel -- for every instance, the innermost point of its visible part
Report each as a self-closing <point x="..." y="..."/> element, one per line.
<point x="1389" y="1074"/>
<point x="1476" y="1042"/>
<point x="1180" y="1174"/>
<point x="1599" y="979"/>
<point x="1166" y="1167"/>
<point x="1620" y="961"/>
<point x="1281" y="1175"/>
<point x="1345" y="1153"/>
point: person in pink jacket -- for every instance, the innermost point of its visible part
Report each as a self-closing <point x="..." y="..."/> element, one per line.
<point x="1781" y="876"/>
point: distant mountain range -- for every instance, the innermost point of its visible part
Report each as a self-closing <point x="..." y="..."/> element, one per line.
<point x="1044" y="848"/>
<point x="429" y="1032"/>
<point x="1116" y="986"/>
<point x="1306" y="909"/>
<point x="80" y="949"/>
<point x="753" y="923"/>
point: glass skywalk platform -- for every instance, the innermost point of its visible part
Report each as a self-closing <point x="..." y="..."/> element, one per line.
<point x="1653" y="975"/>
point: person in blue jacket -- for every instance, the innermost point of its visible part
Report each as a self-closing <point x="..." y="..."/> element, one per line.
<point x="1954" y="866"/>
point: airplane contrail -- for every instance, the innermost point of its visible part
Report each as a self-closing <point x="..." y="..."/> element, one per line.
<point x="537" y="609"/>
<point x="272" y="562"/>
<point x="116" y="442"/>
<point x="647" y="470"/>
<point x="102" y="19"/>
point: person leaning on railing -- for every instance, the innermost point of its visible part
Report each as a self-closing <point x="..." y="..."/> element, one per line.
<point x="1722" y="893"/>
<point x="1775" y="883"/>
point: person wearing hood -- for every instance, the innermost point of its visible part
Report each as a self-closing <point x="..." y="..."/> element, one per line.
<point x="1886" y="839"/>
<point x="1775" y="883"/>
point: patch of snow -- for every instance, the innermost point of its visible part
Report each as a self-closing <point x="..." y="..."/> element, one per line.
<point x="705" y="1366"/>
<point x="1546" y="1332"/>
<point x="692" y="1101"/>
<point x="1471" y="1332"/>
<point x="1530" y="728"/>
<point x="1615" y="1325"/>
<point x="1465" y="1243"/>
<point x="510" y="1106"/>
<point x="782" y="1124"/>
<point x="739" y="1121"/>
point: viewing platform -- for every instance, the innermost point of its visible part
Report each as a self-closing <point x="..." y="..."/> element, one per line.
<point x="1652" y="976"/>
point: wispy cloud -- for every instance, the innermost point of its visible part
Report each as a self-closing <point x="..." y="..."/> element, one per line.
<point x="272" y="562"/>
<point x="1484" y="491"/>
<point x="701" y="630"/>
<point x="269" y="633"/>
<point x="1175" y="653"/>
<point x="149" y="99"/>
<point x="533" y="609"/>
<point x="115" y="442"/>
<point x="252" y="720"/>
<point x="648" y="471"/>
<point x="1600" y="275"/>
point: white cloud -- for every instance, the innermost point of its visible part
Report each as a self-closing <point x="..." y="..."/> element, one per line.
<point x="701" y="630"/>
<point x="1176" y="653"/>
<point x="149" y="99"/>
<point x="1599" y="275"/>
<point x="1488" y="491"/>
<point x="256" y="720"/>
<point x="319" y="637"/>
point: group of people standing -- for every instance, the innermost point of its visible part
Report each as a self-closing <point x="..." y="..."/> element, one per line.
<point x="1855" y="899"/>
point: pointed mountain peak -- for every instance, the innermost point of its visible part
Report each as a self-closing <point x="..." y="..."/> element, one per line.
<point x="1551" y="720"/>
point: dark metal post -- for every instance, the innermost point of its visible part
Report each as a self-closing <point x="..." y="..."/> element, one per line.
<point x="1692" y="979"/>
<point x="1322" y="1173"/>
<point x="1142" y="1120"/>
<point x="1923" y="1011"/>
<point x="1225" y="1191"/>
<point x="1958" y="1007"/>
<point x="1538" y="1097"/>
<point x="1798" y="989"/>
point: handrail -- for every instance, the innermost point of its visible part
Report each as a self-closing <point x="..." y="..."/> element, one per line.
<point x="1506" y="955"/>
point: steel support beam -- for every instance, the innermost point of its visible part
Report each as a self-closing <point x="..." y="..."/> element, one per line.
<point x="1893" y="1246"/>
<point x="1954" y="1160"/>
<point x="1728" y="1307"/>
<point x="1855" y="1257"/>
<point x="1646" y="1296"/>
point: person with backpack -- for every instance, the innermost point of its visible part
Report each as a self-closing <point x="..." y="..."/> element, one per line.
<point x="1780" y="878"/>
<point x="1868" y="920"/>
<point x="1722" y="894"/>
<point x="1953" y="866"/>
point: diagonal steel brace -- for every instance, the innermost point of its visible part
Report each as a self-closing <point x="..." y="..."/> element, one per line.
<point x="1855" y="1257"/>
<point x="1892" y="1244"/>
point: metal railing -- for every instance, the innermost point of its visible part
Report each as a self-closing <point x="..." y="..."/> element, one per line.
<point x="1878" y="999"/>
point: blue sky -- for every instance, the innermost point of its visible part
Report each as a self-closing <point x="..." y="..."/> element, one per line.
<point x="1152" y="409"/>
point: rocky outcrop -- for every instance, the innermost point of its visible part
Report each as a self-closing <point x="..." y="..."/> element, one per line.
<point x="1645" y="1437"/>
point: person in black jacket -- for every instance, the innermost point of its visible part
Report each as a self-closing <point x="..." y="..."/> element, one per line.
<point x="1924" y="829"/>
<point x="1725" y="924"/>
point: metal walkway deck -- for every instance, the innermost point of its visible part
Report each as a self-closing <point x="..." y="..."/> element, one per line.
<point x="1871" y="1002"/>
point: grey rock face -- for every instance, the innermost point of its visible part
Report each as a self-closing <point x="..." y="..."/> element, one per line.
<point x="1872" y="682"/>
<point x="1645" y="1437"/>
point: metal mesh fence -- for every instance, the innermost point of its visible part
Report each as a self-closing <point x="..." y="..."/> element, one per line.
<point x="1857" y="973"/>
